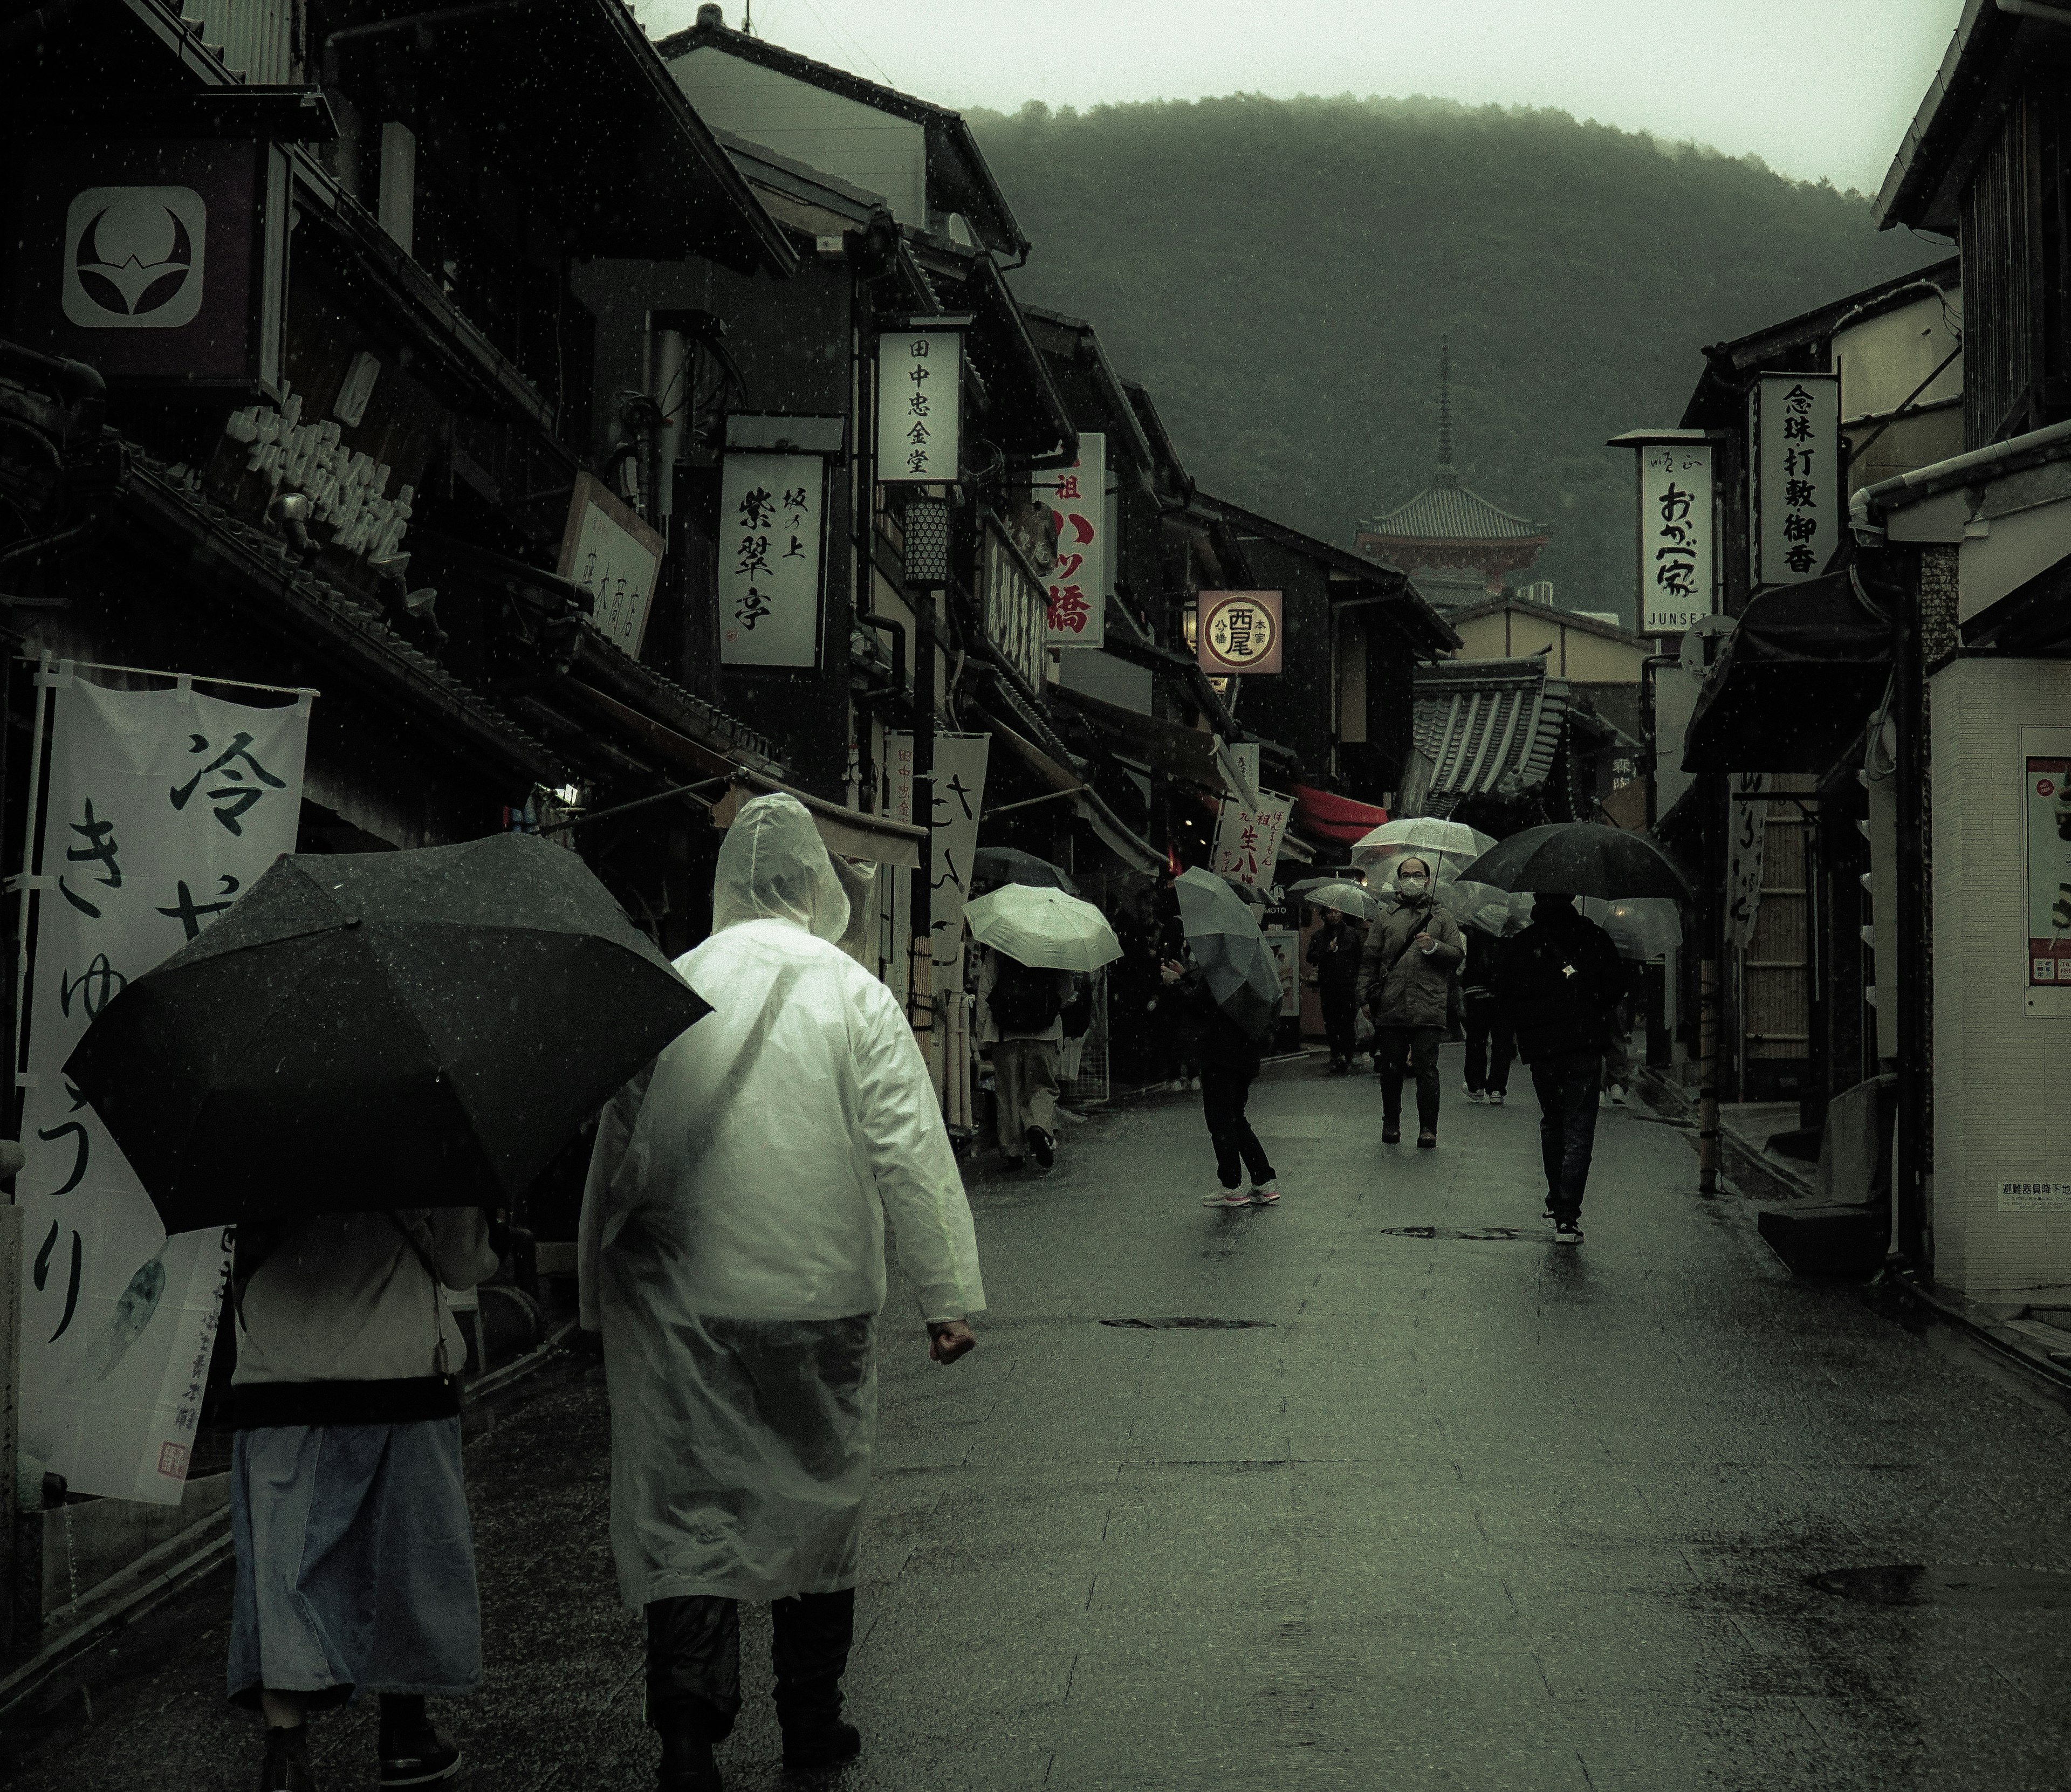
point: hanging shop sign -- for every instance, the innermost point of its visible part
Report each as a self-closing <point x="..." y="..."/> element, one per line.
<point x="1795" y="475"/>
<point x="2045" y="770"/>
<point x="163" y="264"/>
<point x="1248" y="839"/>
<point x="772" y="514"/>
<point x="1238" y="632"/>
<point x="609" y="551"/>
<point x="1078" y="583"/>
<point x="1677" y="586"/>
<point x="163" y="805"/>
<point x="959" y="786"/>
<point x="920" y="401"/>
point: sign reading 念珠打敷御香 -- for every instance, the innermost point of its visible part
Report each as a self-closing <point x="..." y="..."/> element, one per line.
<point x="1794" y="478"/>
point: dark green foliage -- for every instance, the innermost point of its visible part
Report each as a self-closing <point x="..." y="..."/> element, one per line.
<point x="1279" y="273"/>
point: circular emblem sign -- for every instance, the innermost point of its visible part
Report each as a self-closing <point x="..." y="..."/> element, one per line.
<point x="2044" y="788"/>
<point x="1240" y="631"/>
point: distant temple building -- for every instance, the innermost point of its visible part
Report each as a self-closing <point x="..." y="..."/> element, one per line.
<point x="1457" y="545"/>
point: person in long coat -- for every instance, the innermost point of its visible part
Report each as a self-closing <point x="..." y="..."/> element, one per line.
<point x="1405" y="979"/>
<point x="732" y="1257"/>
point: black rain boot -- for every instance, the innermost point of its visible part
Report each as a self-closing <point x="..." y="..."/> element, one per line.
<point x="810" y="1646"/>
<point x="414" y="1750"/>
<point x="287" y="1768"/>
<point x="693" y="1687"/>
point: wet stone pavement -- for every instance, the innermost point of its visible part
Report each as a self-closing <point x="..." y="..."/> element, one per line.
<point x="1456" y="1511"/>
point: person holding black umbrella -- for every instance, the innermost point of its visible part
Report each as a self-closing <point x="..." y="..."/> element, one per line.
<point x="1405" y="978"/>
<point x="732" y="1259"/>
<point x="1560" y="981"/>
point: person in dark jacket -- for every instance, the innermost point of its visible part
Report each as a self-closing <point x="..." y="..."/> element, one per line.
<point x="1406" y="979"/>
<point x="1334" y="956"/>
<point x="1560" y="981"/>
<point x="1228" y="1061"/>
<point x="1492" y="1040"/>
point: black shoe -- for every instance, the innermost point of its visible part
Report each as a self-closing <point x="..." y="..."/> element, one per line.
<point x="688" y="1764"/>
<point x="1391" y="1132"/>
<point x="1567" y="1231"/>
<point x="814" y="1748"/>
<point x="1014" y="1163"/>
<point x="422" y="1759"/>
<point x="287" y="1768"/>
<point x="1042" y="1146"/>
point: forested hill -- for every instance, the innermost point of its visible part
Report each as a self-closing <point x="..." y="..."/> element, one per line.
<point x="1280" y="274"/>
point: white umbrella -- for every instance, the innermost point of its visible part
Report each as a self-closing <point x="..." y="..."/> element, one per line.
<point x="1347" y="899"/>
<point x="1043" y="927"/>
<point x="1450" y="847"/>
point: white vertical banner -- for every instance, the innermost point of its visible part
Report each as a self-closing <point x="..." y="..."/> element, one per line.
<point x="1676" y="586"/>
<point x="771" y="514"/>
<point x="1077" y="497"/>
<point x="1747" y="845"/>
<point x="960" y="769"/>
<point x="920" y="391"/>
<point x="1794" y="441"/>
<point x="164" y="806"/>
<point x="1248" y="840"/>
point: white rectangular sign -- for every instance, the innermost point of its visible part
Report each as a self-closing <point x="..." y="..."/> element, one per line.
<point x="1248" y="840"/>
<point x="2045" y="813"/>
<point x="1794" y="438"/>
<point x="608" y="550"/>
<point x="920" y="392"/>
<point x="1675" y="543"/>
<point x="959" y="780"/>
<point x="1077" y="497"/>
<point x="771" y="512"/>
<point x="2036" y="1197"/>
<point x="163" y="806"/>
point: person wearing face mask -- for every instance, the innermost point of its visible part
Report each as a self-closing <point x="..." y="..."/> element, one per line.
<point x="1405" y="980"/>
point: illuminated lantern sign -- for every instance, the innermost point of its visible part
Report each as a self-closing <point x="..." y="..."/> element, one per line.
<point x="1239" y="631"/>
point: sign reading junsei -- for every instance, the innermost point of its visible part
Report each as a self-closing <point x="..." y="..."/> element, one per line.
<point x="1675" y="544"/>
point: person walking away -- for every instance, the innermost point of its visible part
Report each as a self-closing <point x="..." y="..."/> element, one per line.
<point x="1405" y="978"/>
<point x="1228" y="1061"/>
<point x="1334" y="956"/>
<point x="1021" y="1008"/>
<point x="1559" y="980"/>
<point x="731" y="1256"/>
<point x="1492" y="1040"/>
<point x="348" y="1511"/>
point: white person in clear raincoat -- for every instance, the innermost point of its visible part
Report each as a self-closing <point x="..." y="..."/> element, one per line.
<point x="733" y="1259"/>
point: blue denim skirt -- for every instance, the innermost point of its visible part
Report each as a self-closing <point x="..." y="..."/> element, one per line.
<point x="355" y="1562"/>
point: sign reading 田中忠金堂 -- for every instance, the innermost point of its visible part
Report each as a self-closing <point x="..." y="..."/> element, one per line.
<point x="920" y="389"/>
<point x="1238" y="631"/>
<point x="1794" y="479"/>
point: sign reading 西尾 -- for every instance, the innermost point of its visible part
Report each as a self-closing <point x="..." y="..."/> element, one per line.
<point x="2045" y="770"/>
<point x="163" y="805"/>
<point x="1238" y="631"/>
<point x="1795" y="480"/>
<point x="1676" y="563"/>
<point x="959" y="783"/>
<point x="771" y="512"/>
<point x="611" y="552"/>
<point x="920" y="395"/>
<point x="1077" y="497"/>
<point x="1248" y="840"/>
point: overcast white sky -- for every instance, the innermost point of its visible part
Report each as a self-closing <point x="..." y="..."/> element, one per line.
<point x="1817" y="88"/>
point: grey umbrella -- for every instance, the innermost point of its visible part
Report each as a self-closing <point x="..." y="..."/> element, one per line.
<point x="1243" y="976"/>
<point x="1581" y="859"/>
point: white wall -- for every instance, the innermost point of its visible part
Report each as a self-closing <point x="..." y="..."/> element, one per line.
<point x="854" y="142"/>
<point x="2001" y="1109"/>
<point x="1881" y="359"/>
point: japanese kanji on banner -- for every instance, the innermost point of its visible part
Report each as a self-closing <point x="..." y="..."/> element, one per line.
<point x="770" y="524"/>
<point x="960" y="765"/>
<point x="163" y="806"/>
<point x="1248" y="840"/>
<point x="1077" y="496"/>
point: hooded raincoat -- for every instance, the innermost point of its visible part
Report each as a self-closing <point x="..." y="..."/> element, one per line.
<point x="732" y="1249"/>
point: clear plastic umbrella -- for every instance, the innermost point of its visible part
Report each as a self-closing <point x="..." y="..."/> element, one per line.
<point x="1334" y="892"/>
<point x="1044" y="928"/>
<point x="1448" y="848"/>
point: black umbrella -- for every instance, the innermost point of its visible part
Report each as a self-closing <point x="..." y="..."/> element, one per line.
<point x="380" y="1030"/>
<point x="1583" y="858"/>
<point x="993" y="866"/>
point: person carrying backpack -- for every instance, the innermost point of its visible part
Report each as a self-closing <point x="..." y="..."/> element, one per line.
<point x="1023" y="1007"/>
<point x="1560" y="981"/>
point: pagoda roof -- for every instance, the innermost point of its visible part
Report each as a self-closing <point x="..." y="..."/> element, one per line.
<point x="1445" y="510"/>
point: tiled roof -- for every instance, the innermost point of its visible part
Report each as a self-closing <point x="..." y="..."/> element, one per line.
<point x="1489" y="727"/>
<point x="1445" y="510"/>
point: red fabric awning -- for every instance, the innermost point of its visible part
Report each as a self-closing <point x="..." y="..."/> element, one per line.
<point x="1331" y="817"/>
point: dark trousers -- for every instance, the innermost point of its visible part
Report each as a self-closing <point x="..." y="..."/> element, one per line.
<point x="694" y="1661"/>
<point x="1491" y="1043"/>
<point x="1400" y="1051"/>
<point x="1567" y="1087"/>
<point x="1340" y="1023"/>
<point x="1224" y="1093"/>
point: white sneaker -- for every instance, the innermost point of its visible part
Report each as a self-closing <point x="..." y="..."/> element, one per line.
<point x="1618" y="1094"/>
<point x="1603" y="1097"/>
<point x="1477" y="1095"/>
<point x="1495" y="1097"/>
<point x="1264" y="1194"/>
<point x="1226" y="1197"/>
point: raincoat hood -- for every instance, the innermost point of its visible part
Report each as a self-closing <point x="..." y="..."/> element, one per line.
<point x="774" y="866"/>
